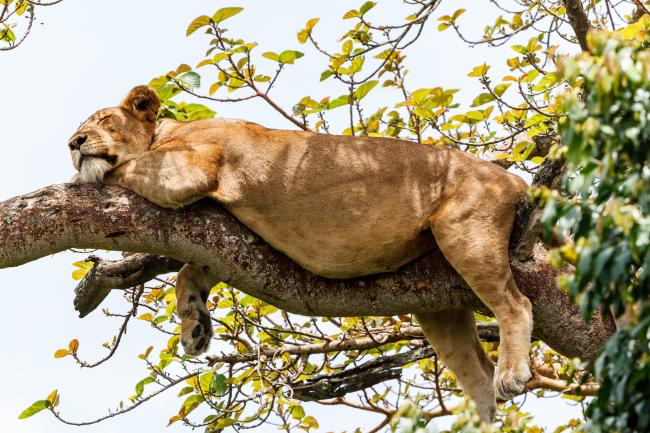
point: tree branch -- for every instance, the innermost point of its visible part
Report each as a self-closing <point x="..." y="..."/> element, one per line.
<point x="106" y="275"/>
<point x="339" y="384"/>
<point x="91" y="216"/>
<point x="525" y="233"/>
<point x="579" y="21"/>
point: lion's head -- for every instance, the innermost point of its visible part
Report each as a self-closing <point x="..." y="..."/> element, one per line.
<point x="113" y="136"/>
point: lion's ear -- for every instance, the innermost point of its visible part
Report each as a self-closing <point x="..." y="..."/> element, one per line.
<point x="143" y="103"/>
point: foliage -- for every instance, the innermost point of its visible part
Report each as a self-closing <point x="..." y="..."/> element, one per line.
<point x="17" y="19"/>
<point x="271" y="361"/>
<point x="607" y="212"/>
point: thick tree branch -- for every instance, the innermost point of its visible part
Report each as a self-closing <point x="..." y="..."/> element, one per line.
<point x="579" y="21"/>
<point x="525" y="233"/>
<point x="107" y="275"/>
<point x="86" y="216"/>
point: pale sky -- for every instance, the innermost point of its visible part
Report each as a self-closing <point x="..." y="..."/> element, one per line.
<point x="86" y="55"/>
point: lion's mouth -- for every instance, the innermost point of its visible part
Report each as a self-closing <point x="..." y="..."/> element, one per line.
<point x="111" y="159"/>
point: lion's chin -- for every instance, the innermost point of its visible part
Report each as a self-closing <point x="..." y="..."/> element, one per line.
<point x="93" y="170"/>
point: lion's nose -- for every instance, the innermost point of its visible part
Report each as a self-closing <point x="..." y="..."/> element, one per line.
<point x="76" y="142"/>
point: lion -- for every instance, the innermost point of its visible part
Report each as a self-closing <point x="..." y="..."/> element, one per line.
<point x="339" y="206"/>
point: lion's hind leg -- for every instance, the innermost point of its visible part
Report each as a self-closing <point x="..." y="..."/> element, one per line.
<point x="192" y="289"/>
<point x="475" y="242"/>
<point x="452" y="333"/>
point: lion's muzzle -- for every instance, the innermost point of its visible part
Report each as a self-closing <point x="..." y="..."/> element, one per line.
<point x="76" y="142"/>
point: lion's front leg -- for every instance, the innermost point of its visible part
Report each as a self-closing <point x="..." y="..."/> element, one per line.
<point x="192" y="289"/>
<point x="168" y="178"/>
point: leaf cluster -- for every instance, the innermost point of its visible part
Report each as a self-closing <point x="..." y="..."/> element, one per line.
<point x="605" y="133"/>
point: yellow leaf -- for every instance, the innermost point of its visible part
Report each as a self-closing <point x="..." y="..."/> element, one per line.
<point x="537" y="159"/>
<point x="311" y="23"/>
<point x="79" y="274"/>
<point x="197" y="23"/>
<point x="458" y="13"/>
<point x="146" y="316"/>
<point x="479" y="70"/>
<point x="303" y="35"/>
<point x="351" y="14"/>
<point x="22" y="7"/>
<point x="74" y="346"/>
<point x="53" y="396"/>
<point x="61" y="353"/>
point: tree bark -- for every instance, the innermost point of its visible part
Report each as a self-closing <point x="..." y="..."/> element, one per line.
<point x="579" y="21"/>
<point x="59" y="217"/>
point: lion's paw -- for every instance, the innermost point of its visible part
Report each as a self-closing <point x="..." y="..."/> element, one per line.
<point x="196" y="331"/>
<point x="510" y="382"/>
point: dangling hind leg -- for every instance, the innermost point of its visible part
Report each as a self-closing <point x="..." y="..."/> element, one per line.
<point x="475" y="242"/>
<point x="452" y="333"/>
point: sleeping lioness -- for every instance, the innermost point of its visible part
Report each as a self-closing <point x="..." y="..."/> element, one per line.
<point x="339" y="206"/>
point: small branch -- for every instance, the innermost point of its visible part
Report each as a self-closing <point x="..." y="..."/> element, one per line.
<point x="336" y="385"/>
<point x="121" y="274"/>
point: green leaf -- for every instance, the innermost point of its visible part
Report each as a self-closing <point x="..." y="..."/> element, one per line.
<point x="289" y="56"/>
<point x="475" y="115"/>
<point x="347" y="47"/>
<point x="535" y="119"/>
<point x="483" y="98"/>
<point x="262" y="78"/>
<point x="519" y="49"/>
<point x="297" y="412"/>
<point x="192" y="402"/>
<point x="271" y="56"/>
<point x="205" y="381"/>
<point x="351" y="14"/>
<point x="338" y="102"/>
<point x="501" y="88"/>
<point x="197" y="23"/>
<point x="363" y="89"/>
<point x="326" y="74"/>
<point x="191" y="79"/>
<point x="549" y="80"/>
<point x="139" y="387"/>
<point x="35" y="408"/>
<point x="420" y="94"/>
<point x="366" y="7"/>
<point x="309" y="422"/>
<point x="530" y="76"/>
<point x="185" y="390"/>
<point x="225" y="13"/>
<point x="219" y="385"/>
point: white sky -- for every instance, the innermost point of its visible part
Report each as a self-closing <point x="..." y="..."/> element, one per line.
<point x="87" y="54"/>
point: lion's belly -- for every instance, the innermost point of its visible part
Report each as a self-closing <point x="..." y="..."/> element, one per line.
<point x="336" y="241"/>
<point x="339" y="206"/>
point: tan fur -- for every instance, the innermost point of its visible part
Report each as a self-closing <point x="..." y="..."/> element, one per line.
<point x="339" y="206"/>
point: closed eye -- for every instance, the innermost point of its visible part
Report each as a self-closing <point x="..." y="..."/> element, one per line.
<point x="100" y="121"/>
